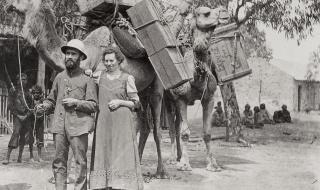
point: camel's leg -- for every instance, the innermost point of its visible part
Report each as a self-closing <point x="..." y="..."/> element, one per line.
<point x="172" y="133"/>
<point x="177" y="136"/>
<point x="184" y="136"/>
<point x="155" y="102"/>
<point x="143" y="127"/>
<point x="207" y="107"/>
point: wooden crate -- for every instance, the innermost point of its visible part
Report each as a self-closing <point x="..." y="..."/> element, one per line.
<point x="170" y="67"/>
<point x="223" y="50"/>
<point x="90" y="8"/>
<point x="160" y="44"/>
<point x="153" y="31"/>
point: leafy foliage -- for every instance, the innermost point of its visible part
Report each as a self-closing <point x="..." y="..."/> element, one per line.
<point x="313" y="66"/>
<point x="255" y="42"/>
<point x="296" y="18"/>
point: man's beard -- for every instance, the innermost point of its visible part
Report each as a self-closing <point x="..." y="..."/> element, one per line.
<point x="71" y="65"/>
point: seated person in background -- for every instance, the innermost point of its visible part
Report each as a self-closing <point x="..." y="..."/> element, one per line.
<point x="285" y="114"/>
<point x="218" y="118"/>
<point x="282" y="116"/>
<point x="247" y="118"/>
<point x="277" y="116"/>
<point x="265" y="115"/>
<point x="257" y="117"/>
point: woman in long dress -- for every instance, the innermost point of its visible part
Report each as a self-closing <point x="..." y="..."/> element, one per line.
<point x="115" y="159"/>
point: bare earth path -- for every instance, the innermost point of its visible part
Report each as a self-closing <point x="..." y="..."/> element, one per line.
<point x="284" y="157"/>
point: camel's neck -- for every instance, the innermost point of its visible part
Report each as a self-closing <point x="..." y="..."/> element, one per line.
<point x="40" y="31"/>
<point x="175" y="15"/>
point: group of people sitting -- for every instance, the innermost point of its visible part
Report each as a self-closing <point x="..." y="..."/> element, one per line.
<point x="253" y="119"/>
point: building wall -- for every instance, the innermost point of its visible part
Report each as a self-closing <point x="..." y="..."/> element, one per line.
<point x="277" y="87"/>
<point x="309" y="96"/>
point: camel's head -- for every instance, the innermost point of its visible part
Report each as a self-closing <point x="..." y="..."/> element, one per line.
<point x="207" y="18"/>
<point x="182" y="5"/>
<point x="204" y="22"/>
<point x="23" y="6"/>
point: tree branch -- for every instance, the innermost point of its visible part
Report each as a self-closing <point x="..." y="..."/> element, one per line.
<point x="253" y="10"/>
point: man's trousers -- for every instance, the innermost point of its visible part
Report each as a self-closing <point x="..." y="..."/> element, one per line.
<point x="79" y="146"/>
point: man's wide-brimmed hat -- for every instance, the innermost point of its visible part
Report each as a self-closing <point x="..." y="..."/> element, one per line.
<point x="75" y="44"/>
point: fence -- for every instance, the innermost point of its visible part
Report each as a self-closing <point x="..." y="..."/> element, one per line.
<point x="6" y="118"/>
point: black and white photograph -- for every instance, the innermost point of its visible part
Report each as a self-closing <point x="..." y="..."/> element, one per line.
<point x="159" y="95"/>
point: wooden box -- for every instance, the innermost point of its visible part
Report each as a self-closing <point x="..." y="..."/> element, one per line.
<point x="94" y="8"/>
<point x="154" y="33"/>
<point x="160" y="43"/>
<point x="227" y="54"/>
<point x="170" y="67"/>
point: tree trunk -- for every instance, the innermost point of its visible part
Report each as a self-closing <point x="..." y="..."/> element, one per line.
<point x="231" y="109"/>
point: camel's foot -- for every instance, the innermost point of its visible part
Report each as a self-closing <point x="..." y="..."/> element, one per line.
<point x="6" y="162"/>
<point x="212" y="164"/>
<point x="244" y="142"/>
<point x="161" y="174"/>
<point x="212" y="168"/>
<point x="171" y="161"/>
<point x="31" y="160"/>
<point x="184" y="165"/>
<point x="40" y="160"/>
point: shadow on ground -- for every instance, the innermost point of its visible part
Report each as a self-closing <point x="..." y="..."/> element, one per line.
<point x="15" y="186"/>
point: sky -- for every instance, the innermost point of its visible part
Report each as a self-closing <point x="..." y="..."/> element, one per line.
<point x="288" y="55"/>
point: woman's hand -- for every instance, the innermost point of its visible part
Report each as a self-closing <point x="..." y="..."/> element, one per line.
<point x="114" y="104"/>
<point x="70" y="102"/>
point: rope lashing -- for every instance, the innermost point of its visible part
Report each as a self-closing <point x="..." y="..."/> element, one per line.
<point x="34" y="111"/>
<point x="235" y="48"/>
<point x="20" y="81"/>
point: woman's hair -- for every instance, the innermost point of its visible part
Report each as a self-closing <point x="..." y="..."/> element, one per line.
<point x="110" y="50"/>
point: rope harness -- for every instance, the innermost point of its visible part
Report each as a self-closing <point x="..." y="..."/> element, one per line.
<point x="34" y="111"/>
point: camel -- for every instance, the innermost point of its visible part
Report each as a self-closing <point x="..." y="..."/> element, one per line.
<point x="39" y="30"/>
<point x="202" y="87"/>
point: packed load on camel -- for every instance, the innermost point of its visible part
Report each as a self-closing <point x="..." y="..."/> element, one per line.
<point x="202" y="86"/>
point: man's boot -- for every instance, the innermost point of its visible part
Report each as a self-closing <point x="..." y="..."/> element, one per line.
<point x="6" y="162"/>
<point x="61" y="181"/>
<point x="21" y="147"/>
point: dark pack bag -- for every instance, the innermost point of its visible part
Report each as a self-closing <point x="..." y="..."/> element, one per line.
<point x="128" y="44"/>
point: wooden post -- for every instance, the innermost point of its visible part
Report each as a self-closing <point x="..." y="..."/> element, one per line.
<point x="231" y="109"/>
<point x="260" y="90"/>
<point x="41" y="74"/>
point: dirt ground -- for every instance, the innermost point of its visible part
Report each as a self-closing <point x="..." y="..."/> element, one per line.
<point x="283" y="157"/>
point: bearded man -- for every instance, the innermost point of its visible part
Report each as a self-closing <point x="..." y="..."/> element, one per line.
<point x="74" y="96"/>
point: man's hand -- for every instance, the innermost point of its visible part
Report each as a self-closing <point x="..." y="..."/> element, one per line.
<point x="114" y="104"/>
<point x="88" y="72"/>
<point x="70" y="102"/>
<point x="40" y="108"/>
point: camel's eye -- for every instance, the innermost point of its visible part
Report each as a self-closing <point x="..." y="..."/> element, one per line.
<point x="207" y="14"/>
